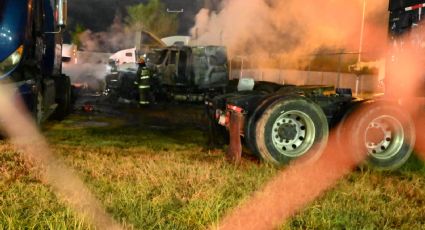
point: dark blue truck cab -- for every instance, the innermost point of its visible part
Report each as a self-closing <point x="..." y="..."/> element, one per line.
<point x="30" y="55"/>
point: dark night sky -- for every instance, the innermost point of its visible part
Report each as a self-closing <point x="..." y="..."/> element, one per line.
<point x="97" y="15"/>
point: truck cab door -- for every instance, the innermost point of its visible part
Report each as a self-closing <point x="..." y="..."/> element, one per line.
<point x="183" y="78"/>
<point x="170" y="71"/>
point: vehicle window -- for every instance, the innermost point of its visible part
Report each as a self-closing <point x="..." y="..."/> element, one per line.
<point x="162" y="56"/>
<point x="173" y="58"/>
<point x="128" y="54"/>
<point x="182" y="63"/>
<point x="217" y="56"/>
<point x="200" y="64"/>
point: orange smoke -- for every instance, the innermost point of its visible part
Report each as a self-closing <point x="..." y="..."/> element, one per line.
<point x="293" y="27"/>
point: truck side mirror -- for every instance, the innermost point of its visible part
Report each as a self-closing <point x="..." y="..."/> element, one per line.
<point x="62" y="13"/>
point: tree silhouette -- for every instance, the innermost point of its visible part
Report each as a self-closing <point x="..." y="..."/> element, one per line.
<point x="152" y="17"/>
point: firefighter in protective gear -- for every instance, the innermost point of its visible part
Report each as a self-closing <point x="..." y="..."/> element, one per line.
<point x="144" y="82"/>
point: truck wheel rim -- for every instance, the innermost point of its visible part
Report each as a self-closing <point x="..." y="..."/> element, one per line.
<point x="293" y="133"/>
<point x="384" y="137"/>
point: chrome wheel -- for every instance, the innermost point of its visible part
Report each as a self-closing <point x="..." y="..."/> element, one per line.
<point x="292" y="128"/>
<point x="379" y="133"/>
<point x="293" y="133"/>
<point x="384" y="137"/>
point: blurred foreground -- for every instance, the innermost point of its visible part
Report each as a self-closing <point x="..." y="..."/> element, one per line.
<point x="153" y="172"/>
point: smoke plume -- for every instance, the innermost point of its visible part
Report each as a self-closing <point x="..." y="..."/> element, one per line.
<point x="117" y="37"/>
<point x="96" y="48"/>
<point x="90" y="70"/>
<point x="293" y="27"/>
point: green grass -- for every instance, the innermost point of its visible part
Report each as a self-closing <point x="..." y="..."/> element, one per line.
<point x="165" y="178"/>
<point x="369" y="200"/>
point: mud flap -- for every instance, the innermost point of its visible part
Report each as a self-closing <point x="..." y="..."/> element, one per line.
<point x="234" y="152"/>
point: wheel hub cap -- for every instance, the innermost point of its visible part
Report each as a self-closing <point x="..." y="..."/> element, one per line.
<point x="287" y="131"/>
<point x="293" y="133"/>
<point x="384" y="137"/>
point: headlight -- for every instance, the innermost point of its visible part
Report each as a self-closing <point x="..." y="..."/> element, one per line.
<point x="11" y="62"/>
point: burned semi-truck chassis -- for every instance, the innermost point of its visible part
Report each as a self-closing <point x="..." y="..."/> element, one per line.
<point x="293" y="122"/>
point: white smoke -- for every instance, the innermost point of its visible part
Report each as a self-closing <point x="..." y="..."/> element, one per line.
<point x="91" y="64"/>
<point x="117" y="37"/>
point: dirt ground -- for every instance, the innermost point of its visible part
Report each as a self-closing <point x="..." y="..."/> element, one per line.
<point x="156" y="116"/>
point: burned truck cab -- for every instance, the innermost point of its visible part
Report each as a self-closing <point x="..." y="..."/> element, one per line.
<point x="186" y="73"/>
<point x="177" y="73"/>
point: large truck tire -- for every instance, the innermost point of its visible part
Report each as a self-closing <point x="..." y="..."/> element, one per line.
<point x="292" y="128"/>
<point x="250" y="128"/>
<point x="250" y="125"/>
<point x="63" y="97"/>
<point x="378" y="133"/>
